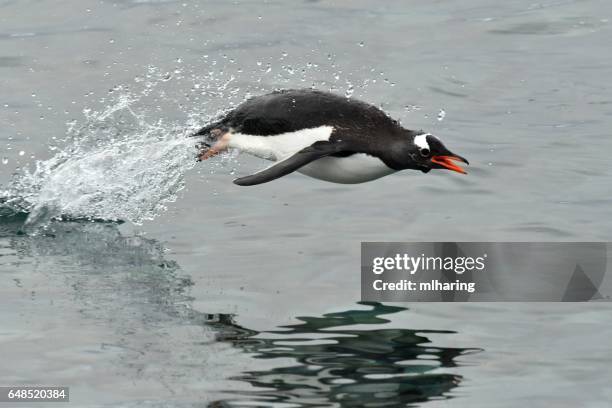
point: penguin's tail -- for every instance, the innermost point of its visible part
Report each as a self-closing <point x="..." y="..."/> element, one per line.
<point x="210" y="133"/>
<point x="208" y="128"/>
<point x="219" y="125"/>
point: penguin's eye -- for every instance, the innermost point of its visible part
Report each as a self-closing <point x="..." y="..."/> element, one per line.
<point x="425" y="152"/>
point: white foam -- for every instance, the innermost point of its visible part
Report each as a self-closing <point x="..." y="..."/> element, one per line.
<point x="115" y="167"/>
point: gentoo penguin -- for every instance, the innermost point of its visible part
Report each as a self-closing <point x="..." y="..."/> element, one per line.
<point x="325" y="136"/>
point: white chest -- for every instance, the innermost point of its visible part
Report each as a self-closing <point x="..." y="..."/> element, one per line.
<point x="357" y="168"/>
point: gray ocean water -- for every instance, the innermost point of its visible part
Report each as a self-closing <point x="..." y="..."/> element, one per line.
<point x="215" y="295"/>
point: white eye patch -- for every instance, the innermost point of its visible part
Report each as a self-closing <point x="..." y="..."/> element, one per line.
<point x="421" y="140"/>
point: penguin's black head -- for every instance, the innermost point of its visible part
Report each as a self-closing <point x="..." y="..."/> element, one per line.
<point x="423" y="151"/>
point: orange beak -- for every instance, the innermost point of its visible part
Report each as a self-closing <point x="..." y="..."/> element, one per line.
<point x="447" y="162"/>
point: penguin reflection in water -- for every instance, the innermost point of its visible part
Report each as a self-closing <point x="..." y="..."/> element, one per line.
<point x="324" y="136"/>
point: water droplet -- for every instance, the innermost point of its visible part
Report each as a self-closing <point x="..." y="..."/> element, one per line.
<point x="111" y="41"/>
<point x="21" y="152"/>
<point x="361" y="43"/>
<point x="441" y="115"/>
<point x="5" y="160"/>
<point x="284" y="54"/>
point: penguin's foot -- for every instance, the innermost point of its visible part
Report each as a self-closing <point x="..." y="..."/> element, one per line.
<point x="207" y="150"/>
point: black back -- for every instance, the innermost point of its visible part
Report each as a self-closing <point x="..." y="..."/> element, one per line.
<point x="291" y="110"/>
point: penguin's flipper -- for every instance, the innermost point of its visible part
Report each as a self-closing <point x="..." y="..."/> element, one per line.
<point x="291" y="163"/>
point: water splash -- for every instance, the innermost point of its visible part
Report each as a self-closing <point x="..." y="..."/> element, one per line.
<point x="441" y="115"/>
<point x="115" y="166"/>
